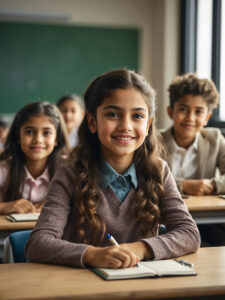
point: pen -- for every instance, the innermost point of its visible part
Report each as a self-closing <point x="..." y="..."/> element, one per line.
<point x="185" y="263"/>
<point x="114" y="242"/>
<point x="184" y="196"/>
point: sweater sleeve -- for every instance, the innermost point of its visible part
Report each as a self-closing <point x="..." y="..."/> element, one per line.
<point x="46" y="243"/>
<point x="182" y="235"/>
<point x="220" y="178"/>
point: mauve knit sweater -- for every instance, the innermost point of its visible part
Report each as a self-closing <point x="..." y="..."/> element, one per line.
<point x="55" y="240"/>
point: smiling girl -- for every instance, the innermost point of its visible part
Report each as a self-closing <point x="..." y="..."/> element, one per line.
<point x="34" y="146"/>
<point x="72" y="110"/>
<point x="117" y="183"/>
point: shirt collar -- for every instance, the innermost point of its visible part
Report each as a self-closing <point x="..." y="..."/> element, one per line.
<point x="108" y="174"/>
<point x="43" y="177"/>
<point x="176" y="147"/>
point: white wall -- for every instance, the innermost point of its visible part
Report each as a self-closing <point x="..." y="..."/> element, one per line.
<point x="165" y="55"/>
<point x="158" y="21"/>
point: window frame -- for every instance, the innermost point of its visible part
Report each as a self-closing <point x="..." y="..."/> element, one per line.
<point x="188" y="46"/>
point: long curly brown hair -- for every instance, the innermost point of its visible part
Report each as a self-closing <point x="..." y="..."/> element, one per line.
<point x="85" y="160"/>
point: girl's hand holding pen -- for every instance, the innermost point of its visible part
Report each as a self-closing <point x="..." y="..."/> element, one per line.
<point x="110" y="257"/>
<point x="140" y="248"/>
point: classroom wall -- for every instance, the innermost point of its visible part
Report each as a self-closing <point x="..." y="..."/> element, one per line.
<point x="158" y="21"/>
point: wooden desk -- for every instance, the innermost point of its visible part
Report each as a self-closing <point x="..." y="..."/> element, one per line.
<point x="206" y="209"/>
<point x="39" y="281"/>
<point x="6" y="225"/>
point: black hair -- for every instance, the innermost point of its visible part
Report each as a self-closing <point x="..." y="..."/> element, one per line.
<point x="14" y="155"/>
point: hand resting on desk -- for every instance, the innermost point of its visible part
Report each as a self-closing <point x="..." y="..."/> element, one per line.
<point x="197" y="187"/>
<point x="20" y="206"/>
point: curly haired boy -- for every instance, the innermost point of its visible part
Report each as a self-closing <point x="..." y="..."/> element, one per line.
<point x="194" y="153"/>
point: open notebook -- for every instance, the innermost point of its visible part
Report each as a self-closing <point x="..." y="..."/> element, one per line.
<point x="147" y="269"/>
<point x="23" y="217"/>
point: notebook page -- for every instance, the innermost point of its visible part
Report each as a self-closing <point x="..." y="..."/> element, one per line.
<point x="25" y="217"/>
<point x="168" y="267"/>
<point x="140" y="271"/>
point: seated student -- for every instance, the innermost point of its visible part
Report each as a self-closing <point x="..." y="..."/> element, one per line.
<point x="72" y="109"/>
<point x="117" y="183"/>
<point x="4" y="128"/>
<point x="34" y="146"/>
<point x="194" y="153"/>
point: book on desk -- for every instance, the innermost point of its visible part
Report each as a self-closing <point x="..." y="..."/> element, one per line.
<point x="148" y="269"/>
<point x="23" y="217"/>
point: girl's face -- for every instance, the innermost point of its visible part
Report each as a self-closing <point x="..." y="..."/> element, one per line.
<point x="38" y="137"/>
<point x="122" y="123"/>
<point x="72" y="114"/>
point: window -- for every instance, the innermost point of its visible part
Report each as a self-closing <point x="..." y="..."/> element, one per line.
<point x="203" y="46"/>
<point x="204" y="38"/>
<point x="222" y="64"/>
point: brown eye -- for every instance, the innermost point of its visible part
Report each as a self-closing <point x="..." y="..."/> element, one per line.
<point x="29" y="132"/>
<point x="138" y="116"/>
<point x="47" y="132"/>
<point x="199" y="112"/>
<point x="113" y="115"/>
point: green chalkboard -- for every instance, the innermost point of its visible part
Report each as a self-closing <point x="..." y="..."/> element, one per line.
<point x="43" y="62"/>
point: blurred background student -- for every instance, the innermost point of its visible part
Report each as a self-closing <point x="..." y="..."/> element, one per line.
<point x="4" y="128"/>
<point x="194" y="153"/>
<point x="35" y="144"/>
<point x="72" y="109"/>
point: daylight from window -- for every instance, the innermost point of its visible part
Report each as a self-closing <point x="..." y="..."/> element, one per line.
<point x="204" y="39"/>
<point x="222" y="66"/>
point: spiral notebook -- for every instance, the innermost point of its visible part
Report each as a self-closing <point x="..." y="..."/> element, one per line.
<point x="23" y="217"/>
<point x="148" y="269"/>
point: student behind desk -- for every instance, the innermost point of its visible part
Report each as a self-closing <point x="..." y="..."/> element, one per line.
<point x="117" y="183"/>
<point x="72" y="109"/>
<point x="4" y="128"/>
<point x="33" y="148"/>
<point x="194" y="153"/>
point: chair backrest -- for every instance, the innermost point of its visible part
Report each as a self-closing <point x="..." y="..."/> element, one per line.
<point x="162" y="229"/>
<point x="18" y="240"/>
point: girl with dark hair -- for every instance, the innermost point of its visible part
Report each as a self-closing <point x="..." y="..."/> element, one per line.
<point x="116" y="183"/>
<point x="72" y="110"/>
<point x="35" y="144"/>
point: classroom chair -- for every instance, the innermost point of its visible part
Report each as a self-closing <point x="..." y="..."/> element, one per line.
<point x="14" y="247"/>
<point x="162" y="229"/>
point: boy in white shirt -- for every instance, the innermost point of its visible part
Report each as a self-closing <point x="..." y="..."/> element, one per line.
<point x="194" y="153"/>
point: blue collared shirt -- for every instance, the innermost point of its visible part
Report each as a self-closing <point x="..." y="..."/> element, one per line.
<point x="120" y="183"/>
